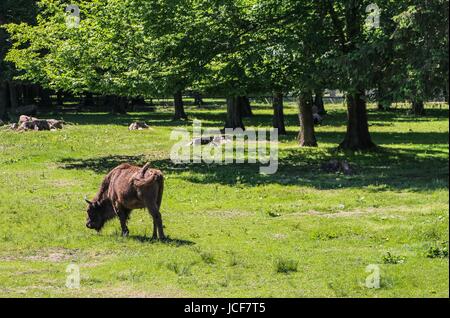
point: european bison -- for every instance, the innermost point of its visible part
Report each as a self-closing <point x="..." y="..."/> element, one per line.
<point x="126" y="188"/>
<point x="31" y="123"/>
<point x="140" y="125"/>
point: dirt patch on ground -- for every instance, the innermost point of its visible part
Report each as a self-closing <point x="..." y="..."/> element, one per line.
<point x="345" y="214"/>
<point x="129" y="292"/>
<point x="59" y="255"/>
<point x="62" y="183"/>
<point x="279" y="236"/>
<point x="229" y="214"/>
<point x="342" y="214"/>
<point x="115" y="292"/>
<point x="391" y="211"/>
<point x="54" y="255"/>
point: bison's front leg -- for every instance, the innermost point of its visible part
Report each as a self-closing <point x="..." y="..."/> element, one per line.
<point x="123" y="215"/>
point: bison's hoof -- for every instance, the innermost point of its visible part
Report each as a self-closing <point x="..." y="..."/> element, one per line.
<point x="125" y="233"/>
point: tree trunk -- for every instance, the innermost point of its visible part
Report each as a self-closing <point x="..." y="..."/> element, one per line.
<point x="4" y="100"/>
<point x="13" y="96"/>
<point x="244" y="104"/>
<point x="151" y="105"/>
<point x="19" y="88"/>
<point x="384" y="102"/>
<point x="119" y="104"/>
<point x="417" y="108"/>
<point x="278" y="113"/>
<point x="137" y="101"/>
<point x="234" y="116"/>
<point x="29" y="94"/>
<point x="447" y="90"/>
<point x="198" y="99"/>
<point x="357" y="136"/>
<point x="105" y="101"/>
<point x="179" y="106"/>
<point x="88" y="100"/>
<point x="44" y="97"/>
<point x="59" y="99"/>
<point x="306" y="137"/>
<point x="115" y="103"/>
<point x="383" y="105"/>
<point x="318" y="101"/>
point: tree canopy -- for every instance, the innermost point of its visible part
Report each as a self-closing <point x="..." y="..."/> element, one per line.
<point x="241" y="47"/>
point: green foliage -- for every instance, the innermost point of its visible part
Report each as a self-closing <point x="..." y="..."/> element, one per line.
<point x="421" y="49"/>
<point x="393" y="259"/>
<point x="235" y="47"/>
<point x="13" y="11"/>
<point x="438" y="251"/>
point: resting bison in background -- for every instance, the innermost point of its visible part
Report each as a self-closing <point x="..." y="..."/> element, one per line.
<point x="126" y="188"/>
<point x="31" y="123"/>
<point x="140" y="125"/>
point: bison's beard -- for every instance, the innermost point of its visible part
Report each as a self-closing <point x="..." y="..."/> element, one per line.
<point x="105" y="213"/>
<point x="98" y="226"/>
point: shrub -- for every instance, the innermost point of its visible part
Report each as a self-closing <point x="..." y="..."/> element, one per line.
<point x="180" y="270"/>
<point x="439" y="251"/>
<point x="207" y="257"/>
<point x="286" y="266"/>
<point x="393" y="259"/>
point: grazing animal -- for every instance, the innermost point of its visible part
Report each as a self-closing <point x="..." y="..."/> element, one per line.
<point x="124" y="189"/>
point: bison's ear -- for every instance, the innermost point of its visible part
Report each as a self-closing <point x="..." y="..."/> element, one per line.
<point x="87" y="201"/>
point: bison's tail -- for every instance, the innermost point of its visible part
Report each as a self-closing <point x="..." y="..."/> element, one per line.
<point x="156" y="176"/>
<point x="144" y="169"/>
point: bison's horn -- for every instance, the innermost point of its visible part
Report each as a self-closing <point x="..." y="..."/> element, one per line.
<point x="87" y="201"/>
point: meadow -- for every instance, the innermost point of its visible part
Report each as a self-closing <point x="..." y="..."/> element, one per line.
<point x="302" y="232"/>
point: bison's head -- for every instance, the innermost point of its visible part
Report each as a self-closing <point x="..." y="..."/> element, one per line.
<point x="95" y="216"/>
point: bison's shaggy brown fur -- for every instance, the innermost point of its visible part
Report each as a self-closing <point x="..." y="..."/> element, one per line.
<point x="124" y="189"/>
<point x="32" y="123"/>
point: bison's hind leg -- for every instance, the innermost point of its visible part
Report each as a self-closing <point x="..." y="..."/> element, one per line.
<point x="157" y="222"/>
<point x="153" y="208"/>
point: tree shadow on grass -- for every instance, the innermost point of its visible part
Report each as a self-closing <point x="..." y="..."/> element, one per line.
<point x="101" y="165"/>
<point x="391" y="138"/>
<point x="382" y="169"/>
<point x="216" y="118"/>
<point x="167" y="241"/>
<point x="336" y="119"/>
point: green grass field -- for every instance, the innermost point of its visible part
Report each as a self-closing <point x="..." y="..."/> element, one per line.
<point x="302" y="232"/>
